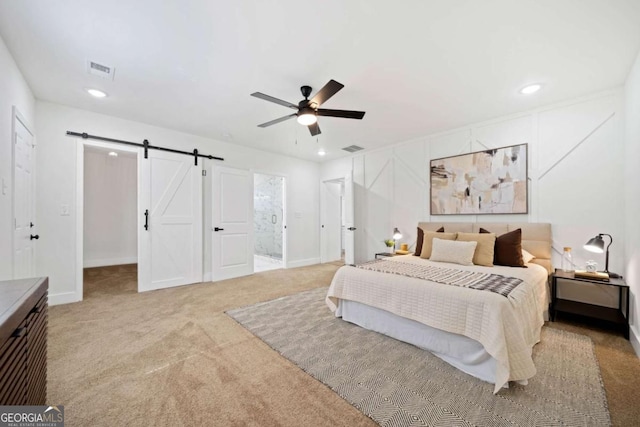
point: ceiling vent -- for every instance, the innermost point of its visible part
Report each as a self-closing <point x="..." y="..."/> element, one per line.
<point x="353" y="148"/>
<point x="100" y="70"/>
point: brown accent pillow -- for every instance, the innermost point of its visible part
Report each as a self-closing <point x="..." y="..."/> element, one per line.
<point x="427" y="242"/>
<point x="508" y="249"/>
<point x="421" y="238"/>
<point x="485" y="248"/>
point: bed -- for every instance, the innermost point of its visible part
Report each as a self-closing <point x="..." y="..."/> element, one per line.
<point x="487" y="334"/>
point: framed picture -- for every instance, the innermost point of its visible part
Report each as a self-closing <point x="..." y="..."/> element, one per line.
<point x="492" y="181"/>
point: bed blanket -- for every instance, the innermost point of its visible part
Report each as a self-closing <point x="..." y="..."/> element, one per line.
<point x="508" y="328"/>
<point x="497" y="283"/>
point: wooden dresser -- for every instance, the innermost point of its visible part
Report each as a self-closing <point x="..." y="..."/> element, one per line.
<point x="23" y="341"/>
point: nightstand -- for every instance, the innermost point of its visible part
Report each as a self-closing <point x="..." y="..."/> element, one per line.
<point x="384" y="254"/>
<point x="617" y="317"/>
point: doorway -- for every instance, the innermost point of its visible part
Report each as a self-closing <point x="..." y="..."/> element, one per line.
<point x="337" y="237"/>
<point x="110" y="207"/>
<point x="333" y="220"/>
<point x="268" y="222"/>
<point x="110" y="221"/>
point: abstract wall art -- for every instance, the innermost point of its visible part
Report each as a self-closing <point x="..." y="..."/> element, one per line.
<point x="492" y="181"/>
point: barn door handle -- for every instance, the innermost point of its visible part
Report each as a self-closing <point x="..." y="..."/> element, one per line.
<point x="31" y="237"/>
<point x="146" y="219"/>
<point x="218" y="229"/>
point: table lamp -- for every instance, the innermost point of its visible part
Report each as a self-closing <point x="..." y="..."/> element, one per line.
<point x="396" y="235"/>
<point x="596" y="245"/>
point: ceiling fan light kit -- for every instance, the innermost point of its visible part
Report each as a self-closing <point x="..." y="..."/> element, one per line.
<point x="307" y="116"/>
<point x="307" y="109"/>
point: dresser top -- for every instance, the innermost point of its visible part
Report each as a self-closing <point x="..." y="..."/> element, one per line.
<point x="14" y="293"/>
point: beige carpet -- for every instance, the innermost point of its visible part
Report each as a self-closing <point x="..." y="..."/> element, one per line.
<point x="172" y="357"/>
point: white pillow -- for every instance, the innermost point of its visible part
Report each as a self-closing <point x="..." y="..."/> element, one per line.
<point x="526" y="256"/>
<point x="455" y="251"/>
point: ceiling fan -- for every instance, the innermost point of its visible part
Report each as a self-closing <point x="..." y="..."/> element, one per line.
<point x="307" y="109"/>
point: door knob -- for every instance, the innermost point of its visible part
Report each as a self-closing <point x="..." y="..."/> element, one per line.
<point x="351" y="228"/>
<point x="34" y="237"/>
<point x="218" y="229"/>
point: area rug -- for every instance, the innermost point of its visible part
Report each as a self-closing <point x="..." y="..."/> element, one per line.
<point x="397" y="384"/>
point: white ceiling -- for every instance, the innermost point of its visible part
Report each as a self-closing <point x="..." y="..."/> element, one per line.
<point x="415" y="66"/>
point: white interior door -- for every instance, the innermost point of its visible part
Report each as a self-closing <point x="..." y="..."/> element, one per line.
<point x="170" y="221"/>
<point x="349" y="221"/>
<point x="232" y="228"/>
<point x="331" y="228"/>
<point x="23" y="201"/>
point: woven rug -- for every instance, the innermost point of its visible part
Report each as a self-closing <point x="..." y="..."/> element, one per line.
<point x="397" y="384"/>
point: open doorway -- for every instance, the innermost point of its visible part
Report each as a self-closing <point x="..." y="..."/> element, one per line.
<point x="110" y="221"/>
<point x="269" y="222"/>
<point x="333" y="238"/>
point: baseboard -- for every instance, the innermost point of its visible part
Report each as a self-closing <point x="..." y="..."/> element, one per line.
<point x="635" y="342"/>
<point x="303" y="262"/>
<point x="65" y="298"/>
<point x="105" y="262"/>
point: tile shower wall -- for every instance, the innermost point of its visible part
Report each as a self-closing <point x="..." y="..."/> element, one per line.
<point x="267" y="215"/>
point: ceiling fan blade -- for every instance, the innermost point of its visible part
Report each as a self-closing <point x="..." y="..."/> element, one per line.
<point x="326" y="92"/>
<point x="273" y="122"/>
<point x="314" y="129"/>
<point x="276" y="100"/>
<point x="345" y="114"/>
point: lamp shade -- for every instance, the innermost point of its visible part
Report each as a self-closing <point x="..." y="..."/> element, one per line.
<point x="595" y="245"/>
<point x="396" y="234"/>
<point x="307" y="116"/>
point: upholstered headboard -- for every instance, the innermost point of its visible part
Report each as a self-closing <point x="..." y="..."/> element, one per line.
<point x="536" y="237"/>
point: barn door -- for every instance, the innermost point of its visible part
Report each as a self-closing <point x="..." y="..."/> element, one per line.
<point x="170" y="221"/>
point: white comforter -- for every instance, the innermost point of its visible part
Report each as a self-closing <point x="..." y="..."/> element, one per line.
<point x="507" y="327"/>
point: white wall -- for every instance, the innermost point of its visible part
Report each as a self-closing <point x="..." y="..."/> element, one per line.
<point x="110" y="209"/>
<point x="14" y="91"/>
<point x="632" y="197"/>
<point x="576" y="153"/>
<point x="57" y="186"/>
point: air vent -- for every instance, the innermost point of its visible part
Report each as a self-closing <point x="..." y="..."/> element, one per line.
<point x="352" y="148"/>
<point x="100" y="70"/>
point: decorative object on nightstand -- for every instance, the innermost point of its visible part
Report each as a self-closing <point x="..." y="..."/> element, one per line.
<point x="567" y="260"/>
<point x="596" y="245"/>
<point x="404" y="249"/>
<point x="381" y="255"/>
<point x="594" y="275"/>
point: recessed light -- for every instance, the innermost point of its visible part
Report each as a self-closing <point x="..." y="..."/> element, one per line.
<point x="97" y="93"/>
<point x="528" y="90"/>
<point x="321" y="152"/>
<point x="113" y="154"/>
